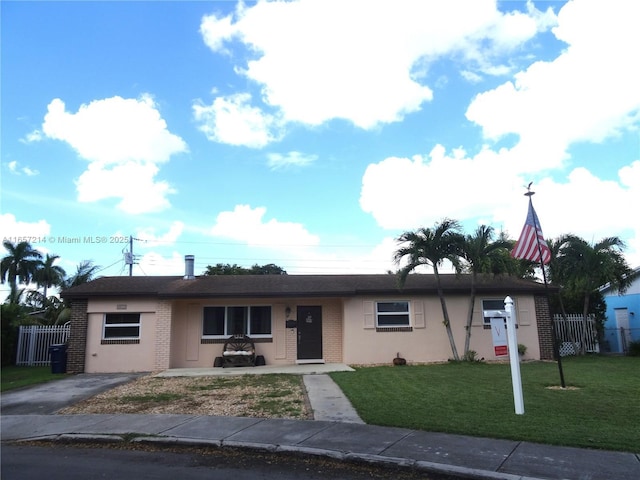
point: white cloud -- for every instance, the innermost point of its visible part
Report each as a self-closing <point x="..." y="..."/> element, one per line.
<point x="630" y="176"/>
<point x="573" y="207"/>
<point x="499" y="35"/>
<point x="233" y="120"/>
<point x="589" y="93"/>
<point x="124" y="140"/>
<point x="154" y="263"/>
<point x="371" y="260"/>
<point x="12" y="228"/>
<point x="471" y="77"/>
<point x="32" y="137"/>
<point x="114" y="130"/>
<point x="363" y="68"/>
<point x="150" y="239"/>
<point x="14" y="168"/>
<point x="295" y="249"/>
<point x="133" y="183"/>
<point x="404" y="194"/>
<point x="29" y="172"/>
<point x="292" y="159"/>
<point x="246" y="224"/>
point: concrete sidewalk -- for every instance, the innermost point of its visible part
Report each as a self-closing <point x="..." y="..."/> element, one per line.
<point x="336" y="432"/>
<point x="434" y="452"/>
<point x="327" y="400"/>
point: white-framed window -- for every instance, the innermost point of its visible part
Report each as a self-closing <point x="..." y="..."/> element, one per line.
<point x="392" y="314"/>
<point x="493" y="307"/>
<point x="224" y="321"/>
<point x="121" y="326"/>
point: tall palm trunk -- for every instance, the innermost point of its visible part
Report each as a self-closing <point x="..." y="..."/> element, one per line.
<point x="585" y="315"/>
<point x="445" y="314"/>
<point x="472" y="301"/>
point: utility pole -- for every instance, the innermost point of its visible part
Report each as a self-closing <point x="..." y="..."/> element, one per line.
<point x="128" y="256"/>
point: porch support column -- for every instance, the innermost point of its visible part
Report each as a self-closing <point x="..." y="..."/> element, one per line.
<point x="543" y="321"/>
<point x="77" y="342"/>
<point x="163" y="336"/>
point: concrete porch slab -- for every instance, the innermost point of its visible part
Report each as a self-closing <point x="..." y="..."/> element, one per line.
<point x="306" y="369"/>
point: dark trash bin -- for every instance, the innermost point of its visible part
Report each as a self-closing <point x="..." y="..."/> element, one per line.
<point x="58" y="358"/>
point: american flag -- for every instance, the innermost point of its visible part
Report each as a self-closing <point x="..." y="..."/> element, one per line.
<point x="531" y="241"/>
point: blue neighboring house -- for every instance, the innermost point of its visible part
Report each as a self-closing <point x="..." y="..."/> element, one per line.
<point x="622" y="324"/>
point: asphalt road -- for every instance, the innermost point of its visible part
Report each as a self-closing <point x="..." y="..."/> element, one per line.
<point x="67" y="462"/>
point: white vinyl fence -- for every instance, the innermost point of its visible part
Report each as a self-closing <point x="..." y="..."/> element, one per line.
<point x="34" y="342"/>
<point x="569" y="334"/>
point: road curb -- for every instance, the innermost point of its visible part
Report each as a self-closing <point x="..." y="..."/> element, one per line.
<point x="423" y="466"/>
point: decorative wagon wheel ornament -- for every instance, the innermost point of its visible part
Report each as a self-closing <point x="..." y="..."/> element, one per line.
<point x="240" y="343"/>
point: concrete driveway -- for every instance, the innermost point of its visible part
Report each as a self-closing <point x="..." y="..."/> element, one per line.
<point x="48" y="398"/>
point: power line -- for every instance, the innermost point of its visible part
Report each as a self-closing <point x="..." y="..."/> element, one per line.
<point x="104" y="268"/>
<point x="307" y="265"/>
<point x="274" y="245"/>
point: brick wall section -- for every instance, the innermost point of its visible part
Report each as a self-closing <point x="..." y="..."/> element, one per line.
<point x="332" y="333"/>
<point x="291" y="345"/>
<point x="77" y="336"/>
<point x="163" y="335"/>
<point x="543" y="318"/>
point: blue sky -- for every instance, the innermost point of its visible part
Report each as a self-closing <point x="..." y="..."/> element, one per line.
<point x="312" y="133"/>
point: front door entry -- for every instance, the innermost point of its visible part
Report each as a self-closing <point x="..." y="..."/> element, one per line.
<point x="622" y="327"/>
<point x="309" y="333"/>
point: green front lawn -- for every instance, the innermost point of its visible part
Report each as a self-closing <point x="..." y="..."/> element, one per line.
<point x="600" y="409"/>
<point x="603" y="411"/>
<point x="16" y="377"/>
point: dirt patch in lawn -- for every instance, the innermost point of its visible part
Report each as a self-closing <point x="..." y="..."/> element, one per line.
<point x="264" y="396"/>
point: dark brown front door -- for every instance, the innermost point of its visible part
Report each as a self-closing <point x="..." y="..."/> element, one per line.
<point x="309" y="333"/>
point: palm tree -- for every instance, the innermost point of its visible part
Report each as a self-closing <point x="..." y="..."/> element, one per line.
<point x="47" y="275"/>
<point x="584" y="267"/>
<point x="482" y="255"/>
<point x="20" y="264"/>
<point x="85" y="271"/>
<point x="557" y="277"/>
<point x="432" y="247"/>
<point x="15" y="295"/>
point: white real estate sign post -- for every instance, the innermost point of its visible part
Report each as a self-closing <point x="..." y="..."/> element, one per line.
<point x="499" y="336"/>
<point x="514" y="358"/>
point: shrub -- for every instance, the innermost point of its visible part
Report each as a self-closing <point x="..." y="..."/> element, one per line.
<point x="11" y="315"/>
<point x="471" y="356"/>
<point x="634" y="349"/>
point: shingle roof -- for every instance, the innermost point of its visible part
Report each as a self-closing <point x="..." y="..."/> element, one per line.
<point x="294" y="286"/>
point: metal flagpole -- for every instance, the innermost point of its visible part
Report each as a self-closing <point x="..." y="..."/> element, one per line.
<point x="554" y="338"/>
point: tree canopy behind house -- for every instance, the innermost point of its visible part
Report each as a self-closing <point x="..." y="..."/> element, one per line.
<point x="228" y="269"/>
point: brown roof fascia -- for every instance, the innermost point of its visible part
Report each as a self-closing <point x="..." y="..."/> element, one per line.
<point x="274" y="286"/>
